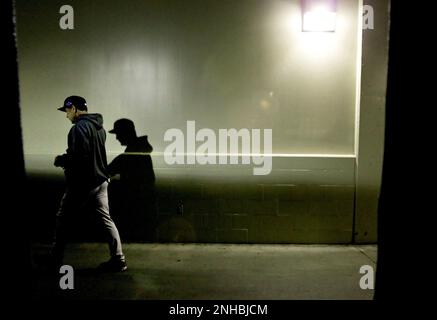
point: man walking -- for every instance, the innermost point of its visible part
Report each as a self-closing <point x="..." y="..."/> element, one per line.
<point x="85" y="168"/>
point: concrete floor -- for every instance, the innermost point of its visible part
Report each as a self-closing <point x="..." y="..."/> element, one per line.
<point x="213" y="271"/>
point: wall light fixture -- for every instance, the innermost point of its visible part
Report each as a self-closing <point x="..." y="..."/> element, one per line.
<point x="319" y="15"/>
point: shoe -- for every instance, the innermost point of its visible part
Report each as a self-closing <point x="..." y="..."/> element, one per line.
<point x="115" y="264"/>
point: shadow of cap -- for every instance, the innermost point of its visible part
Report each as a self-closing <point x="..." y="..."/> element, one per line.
<point x="122" y="126"/>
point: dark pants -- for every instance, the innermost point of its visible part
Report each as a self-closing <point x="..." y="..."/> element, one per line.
<point x="72" y="202"/>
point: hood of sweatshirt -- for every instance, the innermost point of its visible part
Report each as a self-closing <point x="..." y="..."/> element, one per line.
<point x="95" y="118"/>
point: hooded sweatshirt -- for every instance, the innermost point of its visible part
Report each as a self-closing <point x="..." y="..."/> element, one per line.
<point x="85" y="160"/>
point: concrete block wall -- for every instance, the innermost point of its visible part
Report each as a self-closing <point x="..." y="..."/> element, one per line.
<point x="304" y="200"/>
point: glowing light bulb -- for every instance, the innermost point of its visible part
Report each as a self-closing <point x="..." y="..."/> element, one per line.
<point x="319" y="15"/>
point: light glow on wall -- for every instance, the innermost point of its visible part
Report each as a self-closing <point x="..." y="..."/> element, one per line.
<point x="319" y="21"/>
<point x="255" y="69"/>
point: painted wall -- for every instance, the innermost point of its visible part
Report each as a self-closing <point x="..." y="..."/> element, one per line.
<point x="372" y="122"/>
<point x="224" y="64"/>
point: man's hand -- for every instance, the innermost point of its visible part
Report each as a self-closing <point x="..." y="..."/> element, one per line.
<point x="60" y="161"/>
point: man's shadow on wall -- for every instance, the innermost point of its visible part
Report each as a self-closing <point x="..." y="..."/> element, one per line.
<point x="132" y="192"/>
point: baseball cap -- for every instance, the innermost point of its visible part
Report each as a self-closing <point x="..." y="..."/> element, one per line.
<point x="77" y="101"/>
<point x="122" y="125"/>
